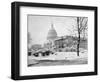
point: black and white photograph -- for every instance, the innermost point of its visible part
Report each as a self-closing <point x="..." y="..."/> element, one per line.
<point x="57" y="40"/>
<point x="53" y="40"/>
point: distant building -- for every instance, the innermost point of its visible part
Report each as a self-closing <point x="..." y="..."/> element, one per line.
<point x="36" y="47"/>
<point x="53" y="41"/>
<point x="52" y="34"/>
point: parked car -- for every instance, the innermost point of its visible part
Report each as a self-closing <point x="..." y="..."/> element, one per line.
<point x="29" y="53"/>
<point x="43" y="53"/>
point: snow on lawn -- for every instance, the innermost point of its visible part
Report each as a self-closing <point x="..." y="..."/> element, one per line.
<point x="61" y="56"/>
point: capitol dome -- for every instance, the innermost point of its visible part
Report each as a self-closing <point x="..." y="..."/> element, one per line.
<point x="52" y="34"/>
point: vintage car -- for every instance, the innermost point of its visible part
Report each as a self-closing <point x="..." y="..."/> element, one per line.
<point x="42" y="53"/>
<point x="29" y="53"/>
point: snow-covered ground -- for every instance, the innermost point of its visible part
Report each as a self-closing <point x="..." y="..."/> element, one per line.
<point x="60" y="56"/>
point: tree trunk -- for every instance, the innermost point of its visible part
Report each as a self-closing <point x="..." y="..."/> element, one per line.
<point x="78" y="44"/>
<point x="78" y="41"/>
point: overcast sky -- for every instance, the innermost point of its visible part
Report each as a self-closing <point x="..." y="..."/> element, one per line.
<point x="38" y="26"/>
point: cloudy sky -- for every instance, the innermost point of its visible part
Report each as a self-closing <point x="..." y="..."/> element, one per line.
<point x="38" y="26"/>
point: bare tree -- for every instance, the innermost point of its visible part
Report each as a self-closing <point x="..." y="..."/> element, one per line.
<point x="78" y="41"/>
<point x="29" y="40"/>
<point x="81" y="27"/>
<point x="79" y="30"/>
